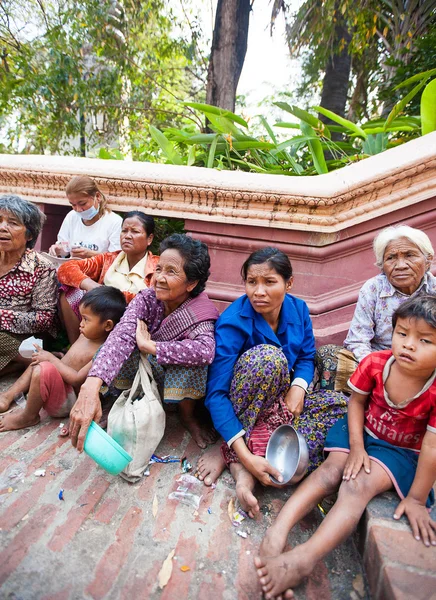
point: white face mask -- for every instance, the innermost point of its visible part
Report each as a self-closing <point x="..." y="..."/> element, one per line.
<point x="89" y="213"/>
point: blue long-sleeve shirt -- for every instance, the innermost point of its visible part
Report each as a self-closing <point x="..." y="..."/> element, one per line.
<point x="240" y="328"/>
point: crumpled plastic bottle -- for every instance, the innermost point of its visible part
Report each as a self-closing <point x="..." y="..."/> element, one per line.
<point x="188" y="491"/>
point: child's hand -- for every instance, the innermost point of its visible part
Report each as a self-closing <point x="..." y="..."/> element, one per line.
<point x="356" y="459"/>
<point x="423" y="527"/>
<point x="40" y="356"/>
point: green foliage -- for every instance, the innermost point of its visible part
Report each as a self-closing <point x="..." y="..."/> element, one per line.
<point x="311" y="151"/>
<point x="428" y="108"/>
<point x="389" y="40"/>
<point x="97" y="70"/>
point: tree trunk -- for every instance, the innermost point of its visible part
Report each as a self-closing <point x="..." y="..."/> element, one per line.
<point x="229" y="46"/>
<point x="337" y="74"/>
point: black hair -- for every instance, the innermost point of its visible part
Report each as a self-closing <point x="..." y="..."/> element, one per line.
<point x="420" y="307"/>
<point x="106" y="301"/>
<point x="146" y="220"/>
<point x="274" y="257"/>
<point x="27" y="214"/>
<point x="196" y="259"/>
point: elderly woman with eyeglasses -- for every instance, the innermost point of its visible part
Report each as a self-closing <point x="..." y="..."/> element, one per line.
<point x="28" y="284"/>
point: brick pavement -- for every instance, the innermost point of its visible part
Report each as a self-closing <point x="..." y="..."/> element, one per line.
<point x="102" y="541"/>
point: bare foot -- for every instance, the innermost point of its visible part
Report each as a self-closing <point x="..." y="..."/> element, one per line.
<point x="210" y="465"/>
<point x="201" y="435"/>
<point x="273" y="543"/>
<point x="18" y="419"/>
<point x="278" y="575"/>
<point x="5" y="402"/>
<point x="247" y="500"/>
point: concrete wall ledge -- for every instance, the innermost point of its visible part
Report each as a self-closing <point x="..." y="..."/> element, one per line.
<point x="325" y="203"/>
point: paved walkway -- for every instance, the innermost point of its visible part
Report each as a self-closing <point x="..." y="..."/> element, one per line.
<point x="103" y="540"/>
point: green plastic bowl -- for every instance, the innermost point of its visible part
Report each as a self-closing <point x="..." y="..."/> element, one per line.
<point x="105" y="451"/>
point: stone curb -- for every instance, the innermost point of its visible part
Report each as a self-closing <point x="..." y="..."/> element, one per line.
<point x="397" y="566"/>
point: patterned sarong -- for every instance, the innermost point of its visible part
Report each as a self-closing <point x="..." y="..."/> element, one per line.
<point x="9" y="344"/>
<point x="259" y="385"/>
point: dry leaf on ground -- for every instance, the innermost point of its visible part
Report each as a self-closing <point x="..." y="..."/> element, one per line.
<point x="166" y="570"/>
<point x="359" y="585"/>
<point x="155" y="506"/>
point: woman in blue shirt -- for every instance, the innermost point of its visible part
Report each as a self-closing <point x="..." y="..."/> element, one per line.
<point x="263" y="364"/>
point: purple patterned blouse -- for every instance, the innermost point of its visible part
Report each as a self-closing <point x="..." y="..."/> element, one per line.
<point x="185" y="337"/>
<point x="371" y="327"/>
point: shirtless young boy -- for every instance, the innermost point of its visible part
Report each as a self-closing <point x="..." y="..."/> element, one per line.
<point x="52" y="383"/>
<point x="389" y="441"/>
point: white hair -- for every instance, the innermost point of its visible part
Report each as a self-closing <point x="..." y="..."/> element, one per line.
<point x="416" y="236"/>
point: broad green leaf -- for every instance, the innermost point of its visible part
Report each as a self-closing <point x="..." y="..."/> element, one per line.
<point x="268" y="128"/>
<point x="191" y="155"/>
<point x="315" y="150"/>
<point x="301" y="114"/>
<point x="428" y="108"/>
<point x="375" y="130"/>
<point x="344" y="122"/>
<point x="374" y="144"/>
<point x="212" y="150"/>
<point x="214" y="110"/>
<point x="298" y="139"/>
<point x="117" y="154"/>
<point x="252" y="145"/>
<point x="417" y="77"/>
<point x="201" y="138"/>
<point x="104" y="154"/>
<point x="260" y="169"/>
<point x="287" y="125"/>
<point x="222" y="124"/>
<point x="166" y="146"/>
<point x="401" y="105"/>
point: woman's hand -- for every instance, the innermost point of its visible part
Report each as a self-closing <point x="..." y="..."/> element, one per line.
<point x="294" y="400"/>
<point x="357" y="459"/>
<point x="56" y="250"/>
<point x="423" y="527"/>
<point x="86" y="409"/>
<point x="79" y="252"/>
<point x="143" y="338"/>
<point x="260" y="468"/>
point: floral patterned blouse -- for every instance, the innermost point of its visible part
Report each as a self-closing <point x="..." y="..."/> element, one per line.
<point x="371" y="327"/>
<point x="28" y="296"/>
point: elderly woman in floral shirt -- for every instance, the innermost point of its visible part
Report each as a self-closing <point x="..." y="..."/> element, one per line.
<point x="28" y="284"/>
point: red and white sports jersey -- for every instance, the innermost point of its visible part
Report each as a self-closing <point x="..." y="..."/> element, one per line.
<point x="403" y="424"/>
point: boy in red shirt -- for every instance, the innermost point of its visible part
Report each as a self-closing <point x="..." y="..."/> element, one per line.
<point x="389" y="441"/>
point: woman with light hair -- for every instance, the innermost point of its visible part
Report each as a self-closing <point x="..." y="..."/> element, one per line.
<point x="91" y="227"/>
<point x="404" y="255"/>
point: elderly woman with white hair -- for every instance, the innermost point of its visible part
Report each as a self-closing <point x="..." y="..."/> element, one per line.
<point x="28" y="284"/>
<point x="404" y="255"/>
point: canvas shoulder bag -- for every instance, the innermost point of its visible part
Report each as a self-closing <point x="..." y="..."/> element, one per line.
<point x="137" y="421"/>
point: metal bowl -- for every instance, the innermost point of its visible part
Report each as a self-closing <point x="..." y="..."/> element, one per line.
<point x="287" y="451"/>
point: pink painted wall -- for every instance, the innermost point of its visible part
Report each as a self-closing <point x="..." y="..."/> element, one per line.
<point x="329" y="269"/>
